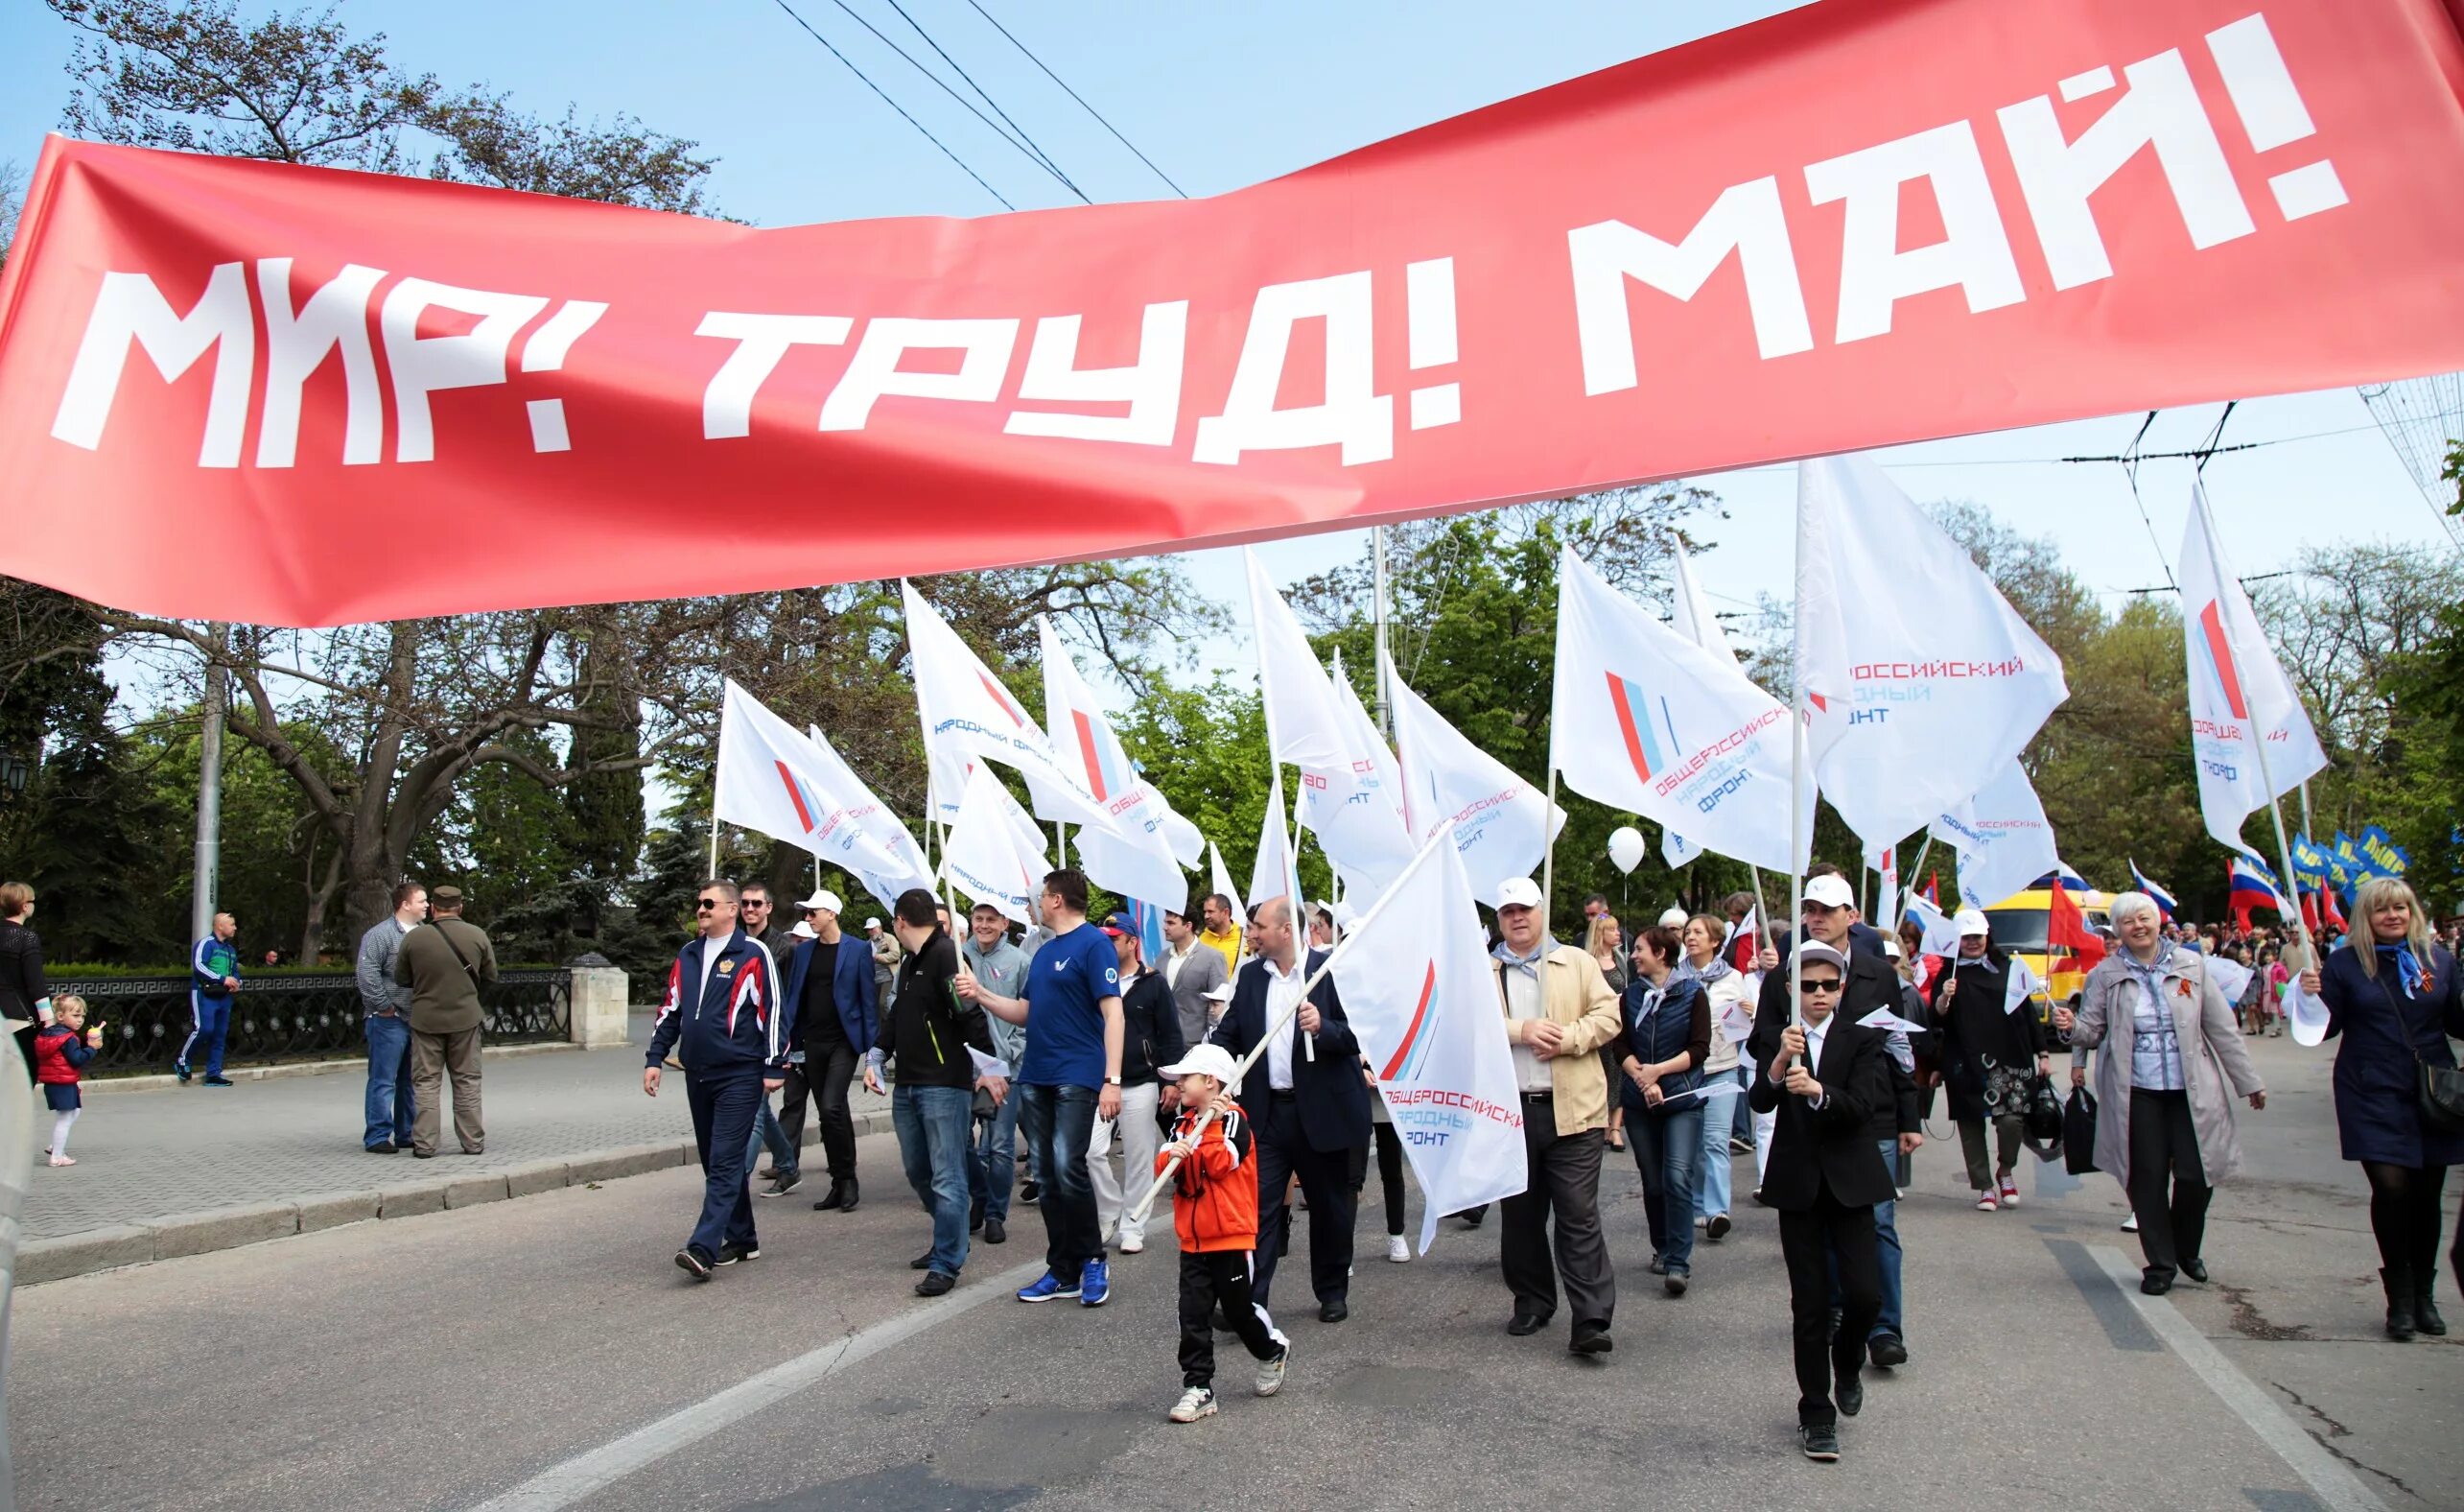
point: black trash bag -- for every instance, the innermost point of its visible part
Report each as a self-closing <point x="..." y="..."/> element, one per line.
<point x="2079" y="1132"/>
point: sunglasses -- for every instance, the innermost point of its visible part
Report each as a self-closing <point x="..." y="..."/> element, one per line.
<point x="705" y="905"/>
<point x="1824" y="984"/>
<point x="756" y="903"/>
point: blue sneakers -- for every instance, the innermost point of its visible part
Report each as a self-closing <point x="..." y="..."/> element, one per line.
<point x="1046" y="1288"/>
<point x="1094" y="1284"/>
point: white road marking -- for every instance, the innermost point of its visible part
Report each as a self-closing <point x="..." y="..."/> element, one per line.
<point x="564" y="1484"/>
<point x="2329" y="1479"/>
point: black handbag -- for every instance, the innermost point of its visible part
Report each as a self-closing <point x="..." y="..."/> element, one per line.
<point x="2442" y="1095"/>
<point x="2079" y="1132"/>
<point x="2043" y="1117"/>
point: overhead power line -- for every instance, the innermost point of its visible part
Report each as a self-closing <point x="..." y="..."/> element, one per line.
<point x="1081" y="99"/>
<point x="1041" y="155"/>
<point x="894" y="105"/>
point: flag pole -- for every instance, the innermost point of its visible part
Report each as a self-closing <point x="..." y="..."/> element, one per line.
<point x="2257" y="737"/>
<point x="1548" y="857"/>
<point x="1343" y="943"/>
<point x="1797" y="817"/>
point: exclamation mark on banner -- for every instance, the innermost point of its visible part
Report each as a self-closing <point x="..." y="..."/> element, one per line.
<point x="1428" y="294"/>
<point x="545" y="353"/>
<point x="2272" y="113"/>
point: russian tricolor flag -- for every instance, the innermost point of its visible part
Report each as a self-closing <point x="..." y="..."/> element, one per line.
<point x="2163" y="900"/>
<point x="2253" y="888"/>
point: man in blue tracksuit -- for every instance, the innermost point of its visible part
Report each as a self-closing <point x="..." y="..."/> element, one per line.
<point x="213" y="976"/>
<point x="724" y="1000"/>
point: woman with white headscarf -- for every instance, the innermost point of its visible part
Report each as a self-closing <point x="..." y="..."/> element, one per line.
<point x="2165" y="1085"/>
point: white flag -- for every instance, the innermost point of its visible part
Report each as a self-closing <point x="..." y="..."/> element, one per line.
<point x="2239" y="692"/>
<point x="2003" y="841"/>
<point x="968" y="715"/>
<point x="1084" y="736"/>
<point x="985" y="854"/>
<point x="1941" y="935"/>
<point x="1418" y="993"/>
<point x="1303" y="726"/>
<point x="1502" y="824"/>
<point x="1223" y="884"/>
<point x="775" y="780"/>
<point x="1648" y="722"/>
<point x="1357" y="809"/>
<point x="1272" y="876"/>
<point x="1692" y="617"/>
<point x="1916" y="700"/>
<point x="2021" y="985"/>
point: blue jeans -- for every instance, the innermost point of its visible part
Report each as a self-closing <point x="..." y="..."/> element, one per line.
<point x="1666" y="1148"/>
<point x="932" y="1124"/>
<point x="992" y="1165"/>
<point x="723" y="1109"/>
<point x="1741" y="1125"/>
<point x="1059" y="1123"/>
<point x="388" y="1101"/>
<point x="766" y="1134"/>
<point x="1888" y="1255"/>
<point x="1711" y="1167"/>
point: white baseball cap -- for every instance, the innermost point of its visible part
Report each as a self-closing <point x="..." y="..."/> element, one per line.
<point x="1519" y="892"/>
<point x="1815" y="950"/>
<point x="872" y="924"/>
<point x="1207" y="1060"/>
<point x="1674" y="917"/>
<point x="1832" y="892"/>
<point x="803" y="930"/>
<point x="822" y="898"/>
<point x="1971" y="921"/>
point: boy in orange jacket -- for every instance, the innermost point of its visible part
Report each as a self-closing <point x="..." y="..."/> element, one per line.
<point x="1214" y="1212"/>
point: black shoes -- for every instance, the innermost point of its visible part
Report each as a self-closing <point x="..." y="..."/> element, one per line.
<point x="923" y="1262"/>
<point x="732" y="1253"/>
<point x="1523" y="1325"/>
<point x="780" y="1185"/>
<point x="1471" y="1219"/>
<point x="694" y="1261"/>
<point x="423" y="1154"/>
<point x="1820" y="1441"/>
<point x="1886" y="1351"/>
<point x="840" y="1198"/>
<point x="975" y="1222"/>
<point x="1029" y="1191"/>
<point x="1717" y="1228"/>
<point x="2402" y="1315"/>
<point x="389" y="1148"/>
<point x="1851" y="1394"/>
<point x="995" y="1232"/>
<point x="218" y="1081"/>
<point x="934" y="1283"/>
<point x="1591" y="1339"/>
<point x="1676" y="1283"/>
<point x="2155" y="1282"/>
<point x="1333" y="1310"/>
<point x="2195" y="1268"/>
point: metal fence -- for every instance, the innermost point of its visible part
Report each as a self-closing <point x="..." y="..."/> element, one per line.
<point x="310" y="1016"/>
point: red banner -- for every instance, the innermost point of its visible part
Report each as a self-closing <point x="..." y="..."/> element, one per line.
<point x="242" y="391"/>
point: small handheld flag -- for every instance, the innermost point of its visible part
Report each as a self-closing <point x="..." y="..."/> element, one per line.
<point x="2163" y="900"/>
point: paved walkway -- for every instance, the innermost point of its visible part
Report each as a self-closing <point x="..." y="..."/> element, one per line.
<point x="143" y="1156"/>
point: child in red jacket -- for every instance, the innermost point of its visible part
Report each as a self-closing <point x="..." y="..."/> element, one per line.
<point x="1214" y="1212"/>
<point x="60" y="1048"/>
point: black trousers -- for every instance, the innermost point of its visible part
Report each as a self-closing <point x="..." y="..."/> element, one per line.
<point x="826" y="1074"/>
<point x="1325" y="1180"/>
<point x="1390" y="1172"/>
<point x="2168" y="1190"/>
<point x="1563" y="1186"/>
<point x="1220" y="1277"/>
<point x="1808" y="1242"/>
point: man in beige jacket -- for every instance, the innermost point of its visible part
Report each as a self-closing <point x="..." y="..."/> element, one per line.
<point x="1559" y="1013"/>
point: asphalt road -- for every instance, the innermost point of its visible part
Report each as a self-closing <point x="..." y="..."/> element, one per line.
<point x="546" y="1353"/>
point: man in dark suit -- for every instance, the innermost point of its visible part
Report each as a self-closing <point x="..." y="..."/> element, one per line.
<point x="831" y="988"/>
<point x="1307" y="1114"/>
<point x="1824" y="1080"/>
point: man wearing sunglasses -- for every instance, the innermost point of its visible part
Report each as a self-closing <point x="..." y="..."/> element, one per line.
<point x="1824" y="1080"/>
<point x="723" y="1002"/>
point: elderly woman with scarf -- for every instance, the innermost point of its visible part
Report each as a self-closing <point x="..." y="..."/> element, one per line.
<point x="2164" y="1115"/>
<point x="1731" y="1003"/>
<point x="1662" y="1051"/>
<point x="2392" y="995"/>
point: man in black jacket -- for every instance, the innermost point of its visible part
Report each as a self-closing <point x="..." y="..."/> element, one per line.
<point x="1308" y="1104"/>
<point x="1897" y="1128"/>
<point x="1824" y="1080"/>
<point x="929" y="1028"/>
<point x="1150" y="1037"/>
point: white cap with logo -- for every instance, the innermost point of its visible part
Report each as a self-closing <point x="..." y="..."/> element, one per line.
<point x="1519" y="892"/>
<point x="822" y="898"/>
<point x="1971" y="921"/>
<point x="1208" y="1060"/>
<point x="1830" y="891"/>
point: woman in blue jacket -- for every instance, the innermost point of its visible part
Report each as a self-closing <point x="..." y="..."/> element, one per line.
<point x="1667" y="1038"/>
<point x="2391" y="994"/>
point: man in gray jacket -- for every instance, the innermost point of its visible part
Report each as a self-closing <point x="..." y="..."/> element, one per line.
<point x="993" y="1161"/>
<point x="1193" y="969"/>
<point x="387" y="1002"/>
<point x="444" y="964"/>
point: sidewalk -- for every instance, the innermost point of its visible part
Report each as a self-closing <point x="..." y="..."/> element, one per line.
<point x="184" y="1156"/>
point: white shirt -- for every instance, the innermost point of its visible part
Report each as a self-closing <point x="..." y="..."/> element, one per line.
<point x="1282" y="995"/>
<point x="1815" y="1035"/>
<point x="1523" y="1002"/>
<point x="1173" y="960"/>
<point x="711" y="951"/>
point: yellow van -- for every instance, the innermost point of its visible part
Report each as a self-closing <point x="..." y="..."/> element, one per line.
<point x="2020" y="925"/>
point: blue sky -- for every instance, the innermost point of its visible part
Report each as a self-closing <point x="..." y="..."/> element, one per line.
<point x="1225" y="95"/>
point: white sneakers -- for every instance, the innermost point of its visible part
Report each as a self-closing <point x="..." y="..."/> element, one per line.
<point x="1396" y="1250"/>
<point x="1270" y="1373"/>
<point x="1198" y="1401"/>
<point x="2131" y="1224"/>
<point x="1132" y="1244"/>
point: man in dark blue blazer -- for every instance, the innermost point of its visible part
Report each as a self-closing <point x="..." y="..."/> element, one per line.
<point x="1307" y="1114"/>
<point x="837" y="1017"/>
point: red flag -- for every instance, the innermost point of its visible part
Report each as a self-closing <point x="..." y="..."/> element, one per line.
<point x="1863" y="222"/>
<point x="1743" y="952"/>
<point x="2074" y="947"/>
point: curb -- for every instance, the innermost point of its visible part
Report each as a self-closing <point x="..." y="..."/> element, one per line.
<point x="159" y="1081"/>
<point x="228" y="1228"/>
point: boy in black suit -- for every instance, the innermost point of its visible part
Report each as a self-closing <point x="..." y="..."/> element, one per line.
<point x="1824" y="1080"/>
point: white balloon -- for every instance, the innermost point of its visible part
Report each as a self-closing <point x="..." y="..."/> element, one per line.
<point x="1626" y="848"/>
